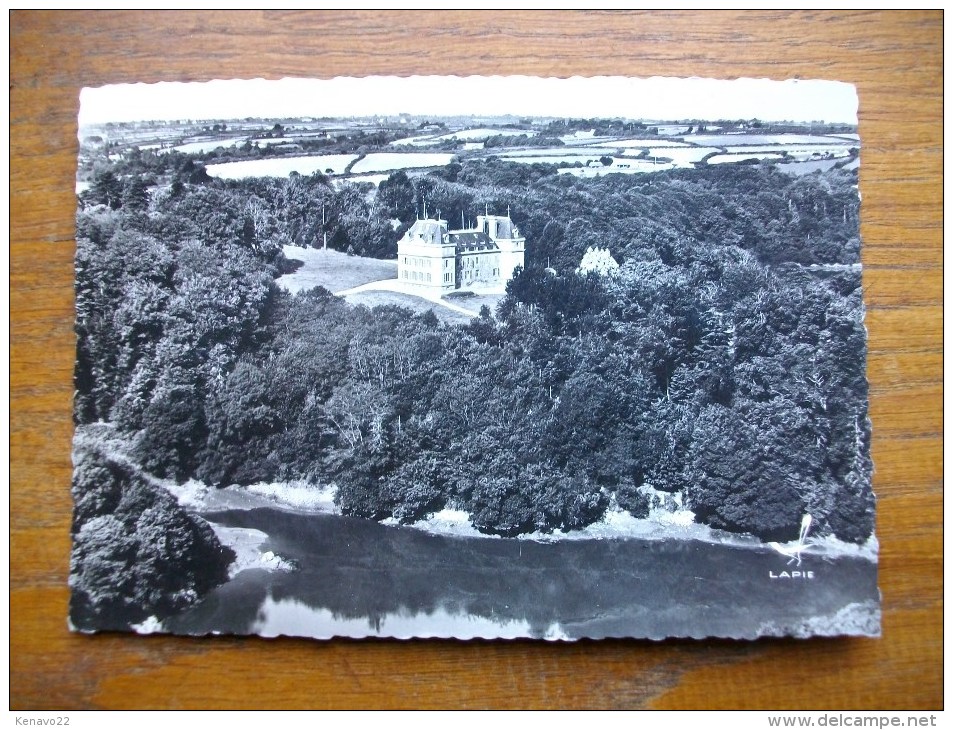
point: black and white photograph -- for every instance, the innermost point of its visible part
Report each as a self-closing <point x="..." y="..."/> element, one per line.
<point x="472" y="358"/>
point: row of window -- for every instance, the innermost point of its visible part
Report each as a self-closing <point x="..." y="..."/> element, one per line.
<point x="416" y="276"/>
<point x="470" y="274"/>
<point x="420" y="262"/>
<point x="425" y="276"/>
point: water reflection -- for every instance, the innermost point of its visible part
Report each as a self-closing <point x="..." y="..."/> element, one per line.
<point x="290" y="617"/>
<point x="358" y="578"/>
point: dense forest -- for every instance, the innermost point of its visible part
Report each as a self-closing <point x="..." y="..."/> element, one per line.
<point x="724" y="358"/>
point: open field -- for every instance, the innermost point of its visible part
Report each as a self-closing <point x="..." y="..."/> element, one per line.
<point x="558" y="151"/>
<point x="417" y="141"/>
<point x="682" y="156"/>
<point x="385" y="161"/>
<point x="464" y="135"/>
<point x="672" y="130"/>
<point x="267" y="141"/>
<point x="192" y="148"/>
<point x="722" y="159"/>
<point x="374" y="179"/>
<point x="485" y="133"/>
<point x="482" y="134"/>
<point x="280" y="166"/>
<point x="759" y="139"/>
<point x="333" y="270"/>
<point x="797" y="152"/>
<point x="806" y="168"/>
<point x="554" y="159"/>
<point x="641" y="142"/>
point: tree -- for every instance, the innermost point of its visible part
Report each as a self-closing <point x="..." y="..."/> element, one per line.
<point x="173" y="430"/>
<point x="106" y="189"/>
<point x="396" y="197"/>
<point x="242" y="421"/>
<point x="135" y="194"/>
<point x="418" y="487"/>
<point x="743" y="476"/>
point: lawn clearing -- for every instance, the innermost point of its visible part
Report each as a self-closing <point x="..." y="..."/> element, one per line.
<point x="476" y="301"/>
<point x="333" y="270"/>
<point x="374" y="298"/>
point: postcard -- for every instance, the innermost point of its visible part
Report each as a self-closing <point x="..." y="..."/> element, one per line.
<point x="472" y="357"/>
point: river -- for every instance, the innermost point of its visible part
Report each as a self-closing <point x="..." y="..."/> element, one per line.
<point x="358" y="578"/>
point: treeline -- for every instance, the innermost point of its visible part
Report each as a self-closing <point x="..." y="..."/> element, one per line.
<point x="701" y="366"/>
<point x="600" y="127"/>
<point x="778" y="218"/>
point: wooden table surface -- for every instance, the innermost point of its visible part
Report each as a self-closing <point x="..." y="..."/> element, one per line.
<point x="894" y="58"/>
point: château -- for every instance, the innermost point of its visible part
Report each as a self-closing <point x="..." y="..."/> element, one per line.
<point x="484" y="256"/>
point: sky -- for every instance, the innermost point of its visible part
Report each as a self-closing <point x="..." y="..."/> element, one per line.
<point x="654" y="98"/>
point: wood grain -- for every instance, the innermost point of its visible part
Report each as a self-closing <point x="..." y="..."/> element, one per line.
<point x="894" y="58"/>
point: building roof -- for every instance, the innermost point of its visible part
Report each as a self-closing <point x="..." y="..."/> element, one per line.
<point x="471" y="241"/>
<point x="501" y="226"/>
<point x="437" y="232"/>
<point x="429" y="230"/>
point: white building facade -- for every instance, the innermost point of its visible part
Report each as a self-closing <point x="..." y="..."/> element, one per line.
<point x="431" y="255"/>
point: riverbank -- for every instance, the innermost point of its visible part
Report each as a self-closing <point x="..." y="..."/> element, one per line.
<point x="301" y="497"/>
<point x="617" y="524"/>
